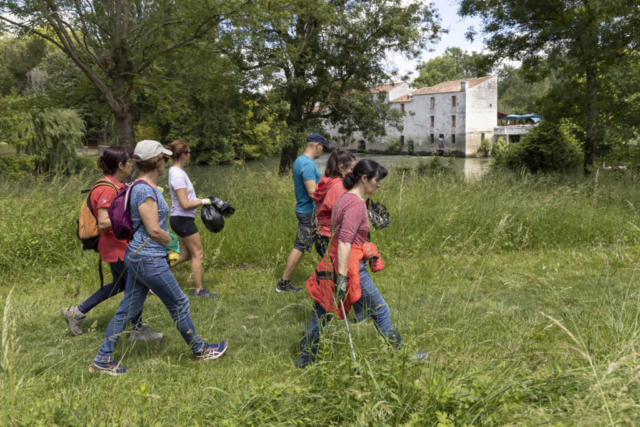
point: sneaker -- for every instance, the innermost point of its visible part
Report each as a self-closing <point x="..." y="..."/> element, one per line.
<point x="203" y="293"/>
<point x="74" y="318"/>
<point x="114" y="369"/>
<point x="145" y="333"/>
<point x="286" y="286"/>
<point x="418" y="356"/>
<point x="212" y="351"/>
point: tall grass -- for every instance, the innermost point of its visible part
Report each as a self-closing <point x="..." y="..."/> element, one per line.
<point x="521" y="288"/>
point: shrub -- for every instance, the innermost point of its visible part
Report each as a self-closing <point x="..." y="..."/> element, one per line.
<point x="394" y="145"/>
<point x="625" y="154"/>
<point x="15" y="167"/>
<point x="485" y="147"/>
<point x="436" y="166"/>
<point x="81" y="162"/>
<point x="547" y="148"/>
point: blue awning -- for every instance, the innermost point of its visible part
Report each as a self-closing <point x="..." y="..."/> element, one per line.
<point x="534" y="117"/>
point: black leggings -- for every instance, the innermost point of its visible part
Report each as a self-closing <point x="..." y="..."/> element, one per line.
<point x="119" y="273"/>
<point x="322" y="244"/>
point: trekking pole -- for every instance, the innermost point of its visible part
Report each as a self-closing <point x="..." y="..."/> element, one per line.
<point x="353" y="353"/>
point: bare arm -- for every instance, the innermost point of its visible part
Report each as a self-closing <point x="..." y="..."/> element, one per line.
<point x="149" y="214"/>
<point x="344" y="250"/>
<point x="185" y="203"/>
<point x="104" y="223"/>
<point x="310" y="186"/>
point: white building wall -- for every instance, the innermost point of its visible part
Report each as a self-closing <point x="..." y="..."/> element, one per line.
<point x="482" y="113"/>
<point x="476" y="112"/>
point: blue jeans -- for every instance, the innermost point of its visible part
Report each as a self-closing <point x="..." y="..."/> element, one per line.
<point x="371" y="303"/>
<point x="147" y="273"/>
<point x="119" y="273"/>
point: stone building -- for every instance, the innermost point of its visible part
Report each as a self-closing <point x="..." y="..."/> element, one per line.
<point x="462" y="112"/>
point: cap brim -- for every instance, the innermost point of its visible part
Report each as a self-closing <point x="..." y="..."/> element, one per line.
<point x="167" y="152"/>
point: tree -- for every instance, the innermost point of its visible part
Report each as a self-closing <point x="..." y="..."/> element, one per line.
<point x="17" y="58"/>
<point x="455" y="64"/>
<point x="114" y="41"/>
<point x="516" y="95"/>
<point x="322" y="56"/>
<point x="587" y="37"/>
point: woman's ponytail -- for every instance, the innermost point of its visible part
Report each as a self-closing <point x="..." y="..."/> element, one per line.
<point x="349" y="181"/>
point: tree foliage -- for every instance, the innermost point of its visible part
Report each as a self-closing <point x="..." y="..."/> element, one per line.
<point x="517" y="94"/>
<point x="113" y="42"/>
<point x="454" y="64"/>
<point x="322" y="56"/>
<point x="53" y="135"/>
<point x="583" y="39"/>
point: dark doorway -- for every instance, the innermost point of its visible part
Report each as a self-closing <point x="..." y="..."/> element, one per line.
<point x="362" y="146"/>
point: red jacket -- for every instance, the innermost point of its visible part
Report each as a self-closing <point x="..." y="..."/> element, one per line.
<point x="322" y="290"/>
<point x="327" y="192"/>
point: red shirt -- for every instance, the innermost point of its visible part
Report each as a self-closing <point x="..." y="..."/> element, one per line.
<point x="110" y="248"/>
<point x="350" y="219"/>
<point x="325" y="196"/>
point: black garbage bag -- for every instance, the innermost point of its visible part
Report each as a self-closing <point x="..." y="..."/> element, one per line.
<point x="213" y="215"/>
<point x="378" y="215"/>
<point x="225" y="208"/>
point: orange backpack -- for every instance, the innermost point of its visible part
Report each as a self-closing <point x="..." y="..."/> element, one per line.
<point x="88" y="232"/>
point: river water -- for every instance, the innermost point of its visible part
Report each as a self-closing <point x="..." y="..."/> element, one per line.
<point x="469" y="168"/>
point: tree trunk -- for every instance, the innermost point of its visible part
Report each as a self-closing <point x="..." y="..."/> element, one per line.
<point x="287" y="157"/>
<point x="591" y="141"/>
<point x="290" y="152"/>
<point x="124" y="127"/>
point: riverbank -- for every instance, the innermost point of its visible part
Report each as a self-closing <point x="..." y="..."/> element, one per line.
<point x="522" y="289"/>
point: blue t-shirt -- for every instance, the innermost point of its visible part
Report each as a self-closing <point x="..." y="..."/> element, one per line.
<point x="140" y="193"/>
<point x="304" y="169"/>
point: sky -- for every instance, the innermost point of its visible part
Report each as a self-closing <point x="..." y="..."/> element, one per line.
<point x="457" y="28"/>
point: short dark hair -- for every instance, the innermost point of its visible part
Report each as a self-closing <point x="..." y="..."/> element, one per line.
<point x="151" y="164"/>
<point x="338" y="157"/>
<point x="364" y="167"/>
<point x="112" y="156"/>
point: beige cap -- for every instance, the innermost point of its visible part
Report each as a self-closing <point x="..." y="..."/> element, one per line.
<point x="148" y="149"/>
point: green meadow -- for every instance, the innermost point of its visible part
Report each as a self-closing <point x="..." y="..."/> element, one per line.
<point x="523" y="289"/>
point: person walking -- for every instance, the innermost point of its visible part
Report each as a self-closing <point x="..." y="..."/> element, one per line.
<point x="146" y="261"/>
<point x="329" y="188"/>
<point x="184" y="206"/>
<point x="349" y="250"/>
<point x="117" y="164"/>
<point x="305" y="178"/>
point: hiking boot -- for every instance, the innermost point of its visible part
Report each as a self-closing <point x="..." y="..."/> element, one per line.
<point x="74" y="318"/>
<point x="286" y="286"/>
<point x="144" y="333"/>
<point x="212" y="351"/>
<point x="203" y="293"/>
<point x="114" y="369"/>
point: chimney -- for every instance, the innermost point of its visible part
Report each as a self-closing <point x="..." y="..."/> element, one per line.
<point x="410" y="96"/>
<point x="463" y="86"/>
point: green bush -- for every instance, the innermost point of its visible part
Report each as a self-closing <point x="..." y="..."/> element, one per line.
<point x="14" y="167"/>
<point x="547" y="148"/>
<point x="394" y="145"/>
<point x="485" y="147"/>
<point x="81" y="162"/>
<point x="625" y="154"/>
<point x="435" y="166"/>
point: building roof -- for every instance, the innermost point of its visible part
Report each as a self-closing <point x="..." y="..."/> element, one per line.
<point x="385" y="87"/>
<point x="502" y="114"/>
<point x="405" y="98"/>
<point x="452" y="86"/>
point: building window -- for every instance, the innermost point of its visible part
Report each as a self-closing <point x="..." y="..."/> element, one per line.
<point x="453" y="121"/>
<point x="433" y="102"/>
<point x="433" y="138"/>
<point x="453" y="138"/>
<point x="402" y="107"/>
<point x="482" y="137"/>
<point x="402" y="140"/>
<point x="453" y="101"/>
<point x="433" y="120"/>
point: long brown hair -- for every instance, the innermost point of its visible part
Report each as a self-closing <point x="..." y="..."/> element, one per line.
<point x="338" y="157"/>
